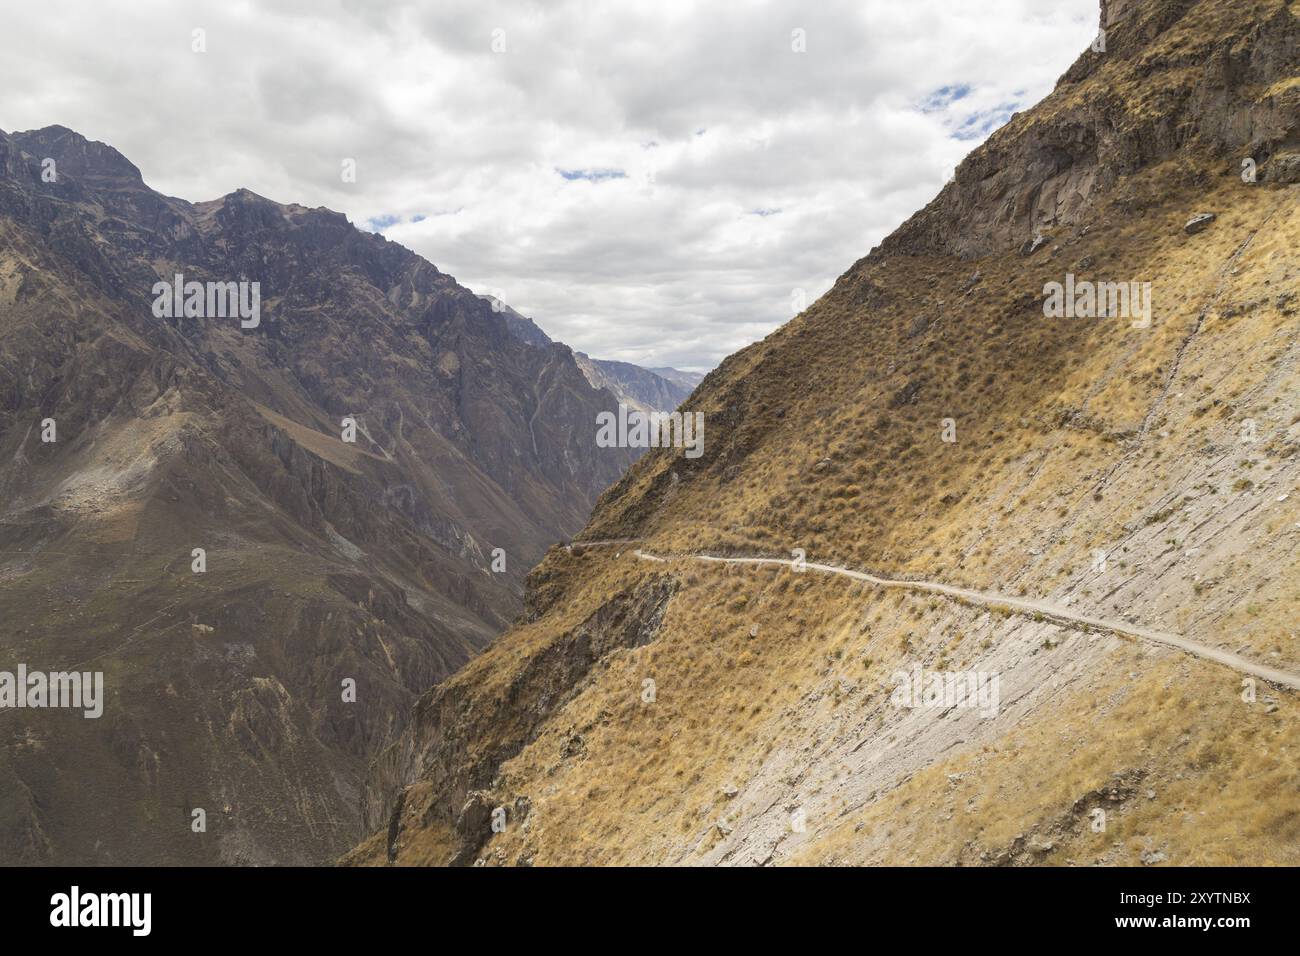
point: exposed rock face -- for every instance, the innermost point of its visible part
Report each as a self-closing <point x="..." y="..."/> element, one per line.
<point x="330" y="556"/>
<point x="1113" y="11"/>
<point x="522" y="326"/>
<point x="1284" y="169"/>
<point x="927" y="420"/>
<point x="1175" y="75"/>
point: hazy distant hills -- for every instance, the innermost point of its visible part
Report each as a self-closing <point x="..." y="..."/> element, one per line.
<point x="678" y="377"/>
<point x="636" y="386"/>
<point x="349" y="463"/>
<point x="646" y="389"/>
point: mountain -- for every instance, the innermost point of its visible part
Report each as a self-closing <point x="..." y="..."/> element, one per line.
<point x="246" y="515"/>
<point x="522" y="327"/>
<point x="633" y="385"/>
<point x="646" y="390"/>
<point x="1048" y="608"/>
<point x="687" y="380"/>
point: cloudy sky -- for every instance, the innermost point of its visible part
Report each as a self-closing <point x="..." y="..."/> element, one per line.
<point x="651" y="181"/>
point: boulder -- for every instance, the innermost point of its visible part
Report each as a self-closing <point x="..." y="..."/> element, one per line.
<point x="1034" y="244"/>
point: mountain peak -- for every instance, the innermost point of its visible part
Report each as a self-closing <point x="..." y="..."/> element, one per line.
<point x="75" y="154"/>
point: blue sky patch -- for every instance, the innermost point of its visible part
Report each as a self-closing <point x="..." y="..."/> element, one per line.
<point x="591" y="175"/>
<point x="978" y="125"/>
<point x="944" y="97"/>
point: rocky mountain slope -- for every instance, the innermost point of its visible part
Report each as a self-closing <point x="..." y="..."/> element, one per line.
<point x="348" y="461"/>
<point x="929" y="419"/>
<point x="523" y="328"/>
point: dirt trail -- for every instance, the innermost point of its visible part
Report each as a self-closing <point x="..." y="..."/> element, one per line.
<point x="1045" y="609"/>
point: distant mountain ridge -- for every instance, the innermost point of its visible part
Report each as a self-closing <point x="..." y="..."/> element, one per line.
<point x="635" y="386"/>
<point x="645" y="389"/>
<point x="679" y="377"/>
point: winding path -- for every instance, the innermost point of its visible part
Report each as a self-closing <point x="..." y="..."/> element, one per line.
<point x="1044" y="609"/>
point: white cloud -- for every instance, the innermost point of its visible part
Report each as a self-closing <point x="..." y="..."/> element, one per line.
<point x="703" y="105"/>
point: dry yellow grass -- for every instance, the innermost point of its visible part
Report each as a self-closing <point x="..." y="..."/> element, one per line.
<point x="1074" y="437"/>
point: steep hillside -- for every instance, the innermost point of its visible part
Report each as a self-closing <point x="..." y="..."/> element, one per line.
<point x="1090" y="483"/>
<point x="348" y="460"/>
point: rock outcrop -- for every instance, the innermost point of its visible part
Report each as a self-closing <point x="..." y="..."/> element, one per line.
<point x="1175" y="75"/>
